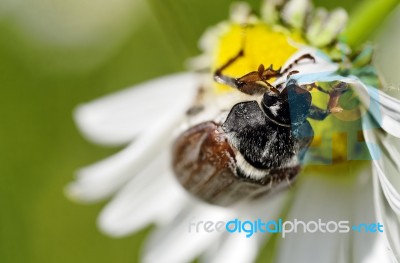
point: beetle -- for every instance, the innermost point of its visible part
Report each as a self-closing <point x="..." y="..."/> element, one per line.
<point x="257" y="149"/>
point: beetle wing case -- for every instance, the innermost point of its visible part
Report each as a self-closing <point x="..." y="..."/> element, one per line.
<point x="205" y="164"/>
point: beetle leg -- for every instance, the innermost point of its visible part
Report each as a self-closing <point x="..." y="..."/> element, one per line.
<point x="317" y="113"/>
<point x="319" y="88"/>
<point x="334" y="96"/>
<point x="247" y="83"/>
<point x="291" y="73"/>
<point x="218" y="72"/>
<point x="271" y="87"/>
<point x="270" y="73"/>
<point x="224" y="79"/>
<point x="260" y="70"/>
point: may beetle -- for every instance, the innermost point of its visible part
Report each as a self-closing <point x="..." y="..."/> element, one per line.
<point x="258" y="147"/>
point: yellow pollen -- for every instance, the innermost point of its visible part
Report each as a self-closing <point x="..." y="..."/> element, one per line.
<point x="262" y="45"/>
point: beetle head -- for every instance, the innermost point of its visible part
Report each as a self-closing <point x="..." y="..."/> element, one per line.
<point x="289" y="107"/>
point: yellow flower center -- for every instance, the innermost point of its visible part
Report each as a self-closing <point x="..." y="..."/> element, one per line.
<point x="261" y="45"/>
<point x="335" y="141"/>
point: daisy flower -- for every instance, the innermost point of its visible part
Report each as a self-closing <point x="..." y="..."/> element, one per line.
<point x="350" y="170"/>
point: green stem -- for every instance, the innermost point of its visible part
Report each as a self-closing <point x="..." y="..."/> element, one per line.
<point x="362" y="23"/>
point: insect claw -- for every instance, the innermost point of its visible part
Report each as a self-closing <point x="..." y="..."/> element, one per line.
<point x="336" y="110"/>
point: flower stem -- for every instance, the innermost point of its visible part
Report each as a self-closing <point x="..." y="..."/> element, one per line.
<point x="363" y="22"/>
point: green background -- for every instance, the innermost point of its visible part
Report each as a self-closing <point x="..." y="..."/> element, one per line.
<point x="41" y="82"/>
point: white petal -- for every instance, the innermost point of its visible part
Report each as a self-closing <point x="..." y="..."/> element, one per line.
<point x="118" y="118"/>
<point x="324" y="28"/>
<point x="266" y="207"/>
<point x="318" y="20"/>
<point x="240" y="12"/>
<point x="235" y="247"/>
<point x="384" y="109"/>
<point x="327" y="75"/>
<point x="379" y="252"/>
<point x="151" y="196"/>
<point x="385" y="153"/>
<point x="367" y="247"/>
<point x="270" y="10"/>
<point x="295" y="11"/>
<point x="324" y="76"/>
<point x="342" y="256"/>
<point x="390" y="221"/>
<point x="102" y="179"/>
<point x="210" y="38"/>
<point x="178" y="241"/>
<point x="325" y="198"/>
<point x="386" y="55"/>
<point x="308" y="69"/>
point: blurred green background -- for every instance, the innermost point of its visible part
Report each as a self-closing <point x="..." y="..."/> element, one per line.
<point x="54" y="55"/>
